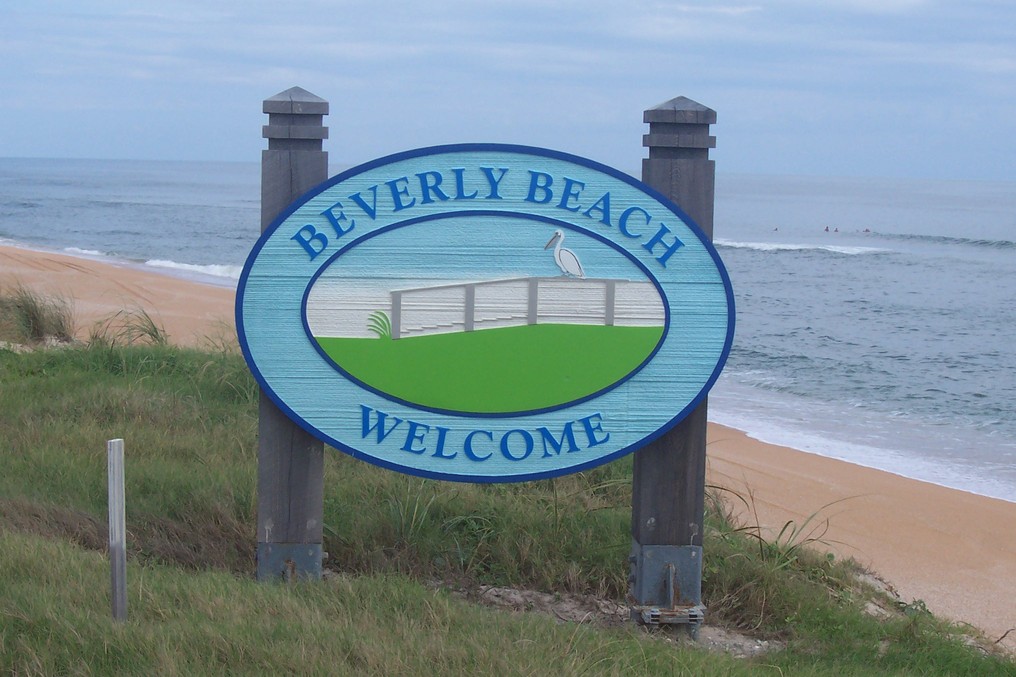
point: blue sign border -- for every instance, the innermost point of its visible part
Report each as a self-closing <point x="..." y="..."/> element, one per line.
<point x="491" y="148"/>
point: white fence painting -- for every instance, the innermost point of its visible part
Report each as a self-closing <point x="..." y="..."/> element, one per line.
<point x="513" y="302"/>
<point x="343" y="309"/>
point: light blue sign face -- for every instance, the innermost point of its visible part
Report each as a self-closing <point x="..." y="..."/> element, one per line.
<point x="485" y="313"/>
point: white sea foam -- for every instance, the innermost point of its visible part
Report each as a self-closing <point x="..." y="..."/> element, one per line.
<point x="75" y="251"/>
<point x="212" y="270"/>
<point x="787" y="247"/>
<point x="69" y="251"/>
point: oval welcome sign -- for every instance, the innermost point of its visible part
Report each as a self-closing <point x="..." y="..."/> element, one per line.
<point x="485" y="313"/>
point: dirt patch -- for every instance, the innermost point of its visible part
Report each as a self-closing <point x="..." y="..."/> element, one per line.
<point x="734" y="643"/>
<point x="564" y="607"/>
<point x="884" y="600"/>
<point x="568" y="608"/>
<point x="54" y="522"/>
<point x="215" y="541"/>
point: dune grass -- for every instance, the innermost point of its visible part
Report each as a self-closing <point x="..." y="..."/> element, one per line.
<point x="189" y="421"/>
<point x="128" y="327"/>
<point x="27" y="317"/>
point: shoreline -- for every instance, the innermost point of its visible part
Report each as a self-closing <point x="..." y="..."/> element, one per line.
<point x="947" y="547"/>
<point x="803" y="448"/>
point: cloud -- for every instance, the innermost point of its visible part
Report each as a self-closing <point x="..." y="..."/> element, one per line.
<point x="970" y="57"/>
<point x="864" y="6"/>
<point x="570" y="74"/>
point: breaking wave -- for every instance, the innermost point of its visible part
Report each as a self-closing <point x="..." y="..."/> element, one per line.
<point x="782" y="247"/>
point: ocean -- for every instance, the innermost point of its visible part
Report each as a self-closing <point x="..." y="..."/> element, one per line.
<point x="875" y="317"/>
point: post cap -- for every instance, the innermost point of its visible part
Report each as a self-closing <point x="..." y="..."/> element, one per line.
<point x="296" y="101"/>
<point x="681" y="110"/>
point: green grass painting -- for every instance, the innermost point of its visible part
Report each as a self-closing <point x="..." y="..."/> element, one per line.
<point x="497" y="370"/>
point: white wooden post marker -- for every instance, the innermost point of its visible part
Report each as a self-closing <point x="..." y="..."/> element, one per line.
<point x="485" y="313"/>
<point x="117" y="529"/>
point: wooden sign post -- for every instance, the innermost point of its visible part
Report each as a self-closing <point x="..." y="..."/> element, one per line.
<point x="668" y="486"/>
<point x="290" y="460"/>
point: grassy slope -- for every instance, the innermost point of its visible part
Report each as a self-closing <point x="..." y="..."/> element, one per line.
<point x="497" y="370"/>
<point x="55" y="620"/>
<point x="189" y="422"/>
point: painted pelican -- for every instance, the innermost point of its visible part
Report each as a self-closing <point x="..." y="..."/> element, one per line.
<point x="565" y="259"/>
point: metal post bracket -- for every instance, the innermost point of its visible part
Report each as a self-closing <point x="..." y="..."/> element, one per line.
<point x="666" y="585"/>
<point x="286" y="561"/>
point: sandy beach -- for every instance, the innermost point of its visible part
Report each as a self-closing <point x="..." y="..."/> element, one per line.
<point x="953" y="550"/>
<point x="189" y="312"/>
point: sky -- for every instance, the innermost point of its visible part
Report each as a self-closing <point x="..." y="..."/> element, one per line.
<point x="894" y="88"/>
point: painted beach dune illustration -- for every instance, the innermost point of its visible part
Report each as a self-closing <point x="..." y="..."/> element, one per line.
<point x="494" y="346"/>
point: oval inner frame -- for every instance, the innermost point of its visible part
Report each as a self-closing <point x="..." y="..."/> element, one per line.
<point x="508" y="214"/>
